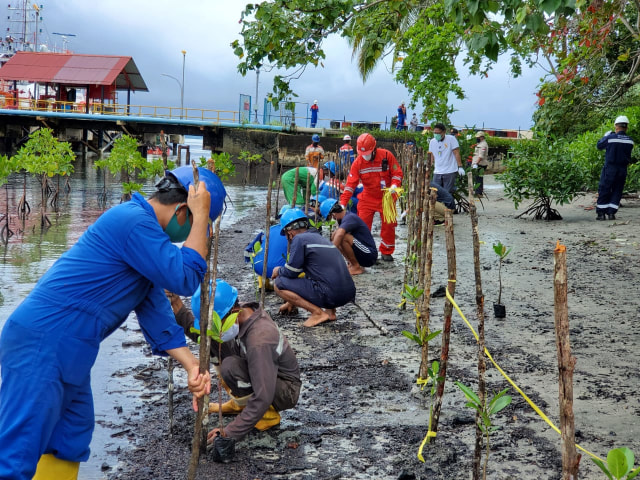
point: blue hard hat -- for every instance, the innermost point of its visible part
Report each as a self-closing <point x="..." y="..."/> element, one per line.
<point x="290" y="216"/>
<point x="326" y="206"/>
<point x="225" y="299"/>
<point x="184" y="175"/>
<point x="284" y="209"/>
<point x="315" y="137"/>
<point x="331" y="166"/>
<point x="316" y="199"/>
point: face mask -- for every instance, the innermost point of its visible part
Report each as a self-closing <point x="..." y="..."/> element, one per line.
<point x="178" y="233"/>
<point x="367" y="157"/>
<point x="232" y="332"/>
<point x="438" y="136"/>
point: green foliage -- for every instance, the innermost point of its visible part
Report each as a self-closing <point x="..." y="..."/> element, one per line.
<point x="619" y="464"/>
<point x="501" y="250"/>
<point x="246" y="156"/>
<point x="224" y="167"/>
<point x="126" y="158"/>
<point x="545" y="171"/>
<point x="43" y="154"/>
<point x="485" y="414"/>
<point x="217" y="327"/>
<point x="410" y="296"/>
<point x="8" y="166"/>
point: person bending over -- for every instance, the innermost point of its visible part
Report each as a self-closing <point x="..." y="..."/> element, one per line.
<point x="352" y="237"/>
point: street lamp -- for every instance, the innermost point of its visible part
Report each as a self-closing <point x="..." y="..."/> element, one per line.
<point x="180" y="83"/>
<point x="184" y="57"/>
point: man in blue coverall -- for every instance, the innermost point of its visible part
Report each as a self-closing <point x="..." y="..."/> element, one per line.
<point x="122" y="263"/>
<point x="617" y="146"/>
<point x="327" y="283"/>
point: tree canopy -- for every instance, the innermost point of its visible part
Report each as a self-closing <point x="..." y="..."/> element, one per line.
<point x="589" y="50"/>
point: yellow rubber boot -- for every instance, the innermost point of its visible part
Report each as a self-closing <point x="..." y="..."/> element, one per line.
<point x="271" y="418"/>
<point x="52" y="468"/>
<point x="228" y="408"/>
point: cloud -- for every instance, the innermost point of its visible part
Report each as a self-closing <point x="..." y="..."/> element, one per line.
<point x="155" y="32"/>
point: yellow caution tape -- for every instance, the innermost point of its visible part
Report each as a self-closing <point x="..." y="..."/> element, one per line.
<point x="430" y="434"/>
<point x="422" y="382"/>
<point x="527" y="399"/>
<point x="389" y="212"/>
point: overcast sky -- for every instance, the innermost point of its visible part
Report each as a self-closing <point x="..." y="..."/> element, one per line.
<point x="155" y="32"/>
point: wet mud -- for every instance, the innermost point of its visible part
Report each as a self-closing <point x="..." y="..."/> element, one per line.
<point x="361" y="414"/>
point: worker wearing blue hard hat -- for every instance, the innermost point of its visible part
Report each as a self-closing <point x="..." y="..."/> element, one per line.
<point x="122" y="263"/>
<point x="327" y="283"/>
<point x="314" y="153"/>
<point x="352" y="237"/>
<point x="257" y="366"/>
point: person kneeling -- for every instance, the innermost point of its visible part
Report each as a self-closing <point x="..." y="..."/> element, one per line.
<point x="258" y="367"/>
<point x="327" y="283"/>
<point x="352" y="237"/>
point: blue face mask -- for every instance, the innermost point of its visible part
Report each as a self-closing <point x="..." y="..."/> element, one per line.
<point x="178" y="233"/>
<point x="438" y="136"/>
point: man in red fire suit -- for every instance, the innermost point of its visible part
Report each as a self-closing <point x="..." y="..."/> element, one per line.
<point x="376" y="168"/>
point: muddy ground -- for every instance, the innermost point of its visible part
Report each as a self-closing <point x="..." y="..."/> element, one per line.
<point x="360" y="414"/>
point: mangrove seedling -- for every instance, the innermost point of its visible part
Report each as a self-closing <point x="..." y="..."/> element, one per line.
<point x="223" y="166"/>
<point x="45" y="156"/>
<point x="619" y="464"/>
<point x="485" y="413"/>
<point x="246" y="156"/>
<point x="7" y="167"/>
<point x="410" y="296"/>
<point x="501" y="251"/>
<point x="432" y="378"/>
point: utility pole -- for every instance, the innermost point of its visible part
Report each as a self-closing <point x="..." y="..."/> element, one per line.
<point x="184" y="57"/>
<point x="256" y="102"/>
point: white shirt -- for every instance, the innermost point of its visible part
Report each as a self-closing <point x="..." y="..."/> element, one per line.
<point x="442" y="151"/>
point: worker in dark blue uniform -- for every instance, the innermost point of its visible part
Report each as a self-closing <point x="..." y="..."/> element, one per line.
<point x="122" y="263"/>
<point x="617" y="147"/>
<point x="327" y="283"/>
<point x="352" y="237"/>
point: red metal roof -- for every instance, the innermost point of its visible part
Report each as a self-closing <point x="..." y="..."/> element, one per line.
<point x="74" y="69"/>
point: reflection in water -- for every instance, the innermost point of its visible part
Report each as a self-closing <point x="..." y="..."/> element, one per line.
<point x="31" y="251"/>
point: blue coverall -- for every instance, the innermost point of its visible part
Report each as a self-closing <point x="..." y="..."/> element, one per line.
<point x="327" y="282"/>
<point x="617" y="156"/>
<point x="50" y="342"/>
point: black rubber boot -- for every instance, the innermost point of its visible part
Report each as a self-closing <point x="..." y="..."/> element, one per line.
<point x="612" y="216"/>
<point x="601" y="216"/>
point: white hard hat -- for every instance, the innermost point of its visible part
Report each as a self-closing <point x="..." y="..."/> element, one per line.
<point x="622" y="119"/>
<point x="315" y="102"/>
<point x="346" y="137"/>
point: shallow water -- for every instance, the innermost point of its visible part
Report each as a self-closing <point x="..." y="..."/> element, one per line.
<point x="31" y="251"/>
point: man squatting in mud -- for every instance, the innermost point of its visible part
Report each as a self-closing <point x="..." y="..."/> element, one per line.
<point x="258" y="368"/>
<point x="327" y="283"/>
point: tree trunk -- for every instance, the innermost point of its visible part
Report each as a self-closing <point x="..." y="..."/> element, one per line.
<point x="266" y="238"/>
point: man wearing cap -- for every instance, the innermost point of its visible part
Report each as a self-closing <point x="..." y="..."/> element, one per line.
<point x="445" y="155"/>
<point x="327" y="283"/>
<point x="122" y="263"/>
<point x="377" y="169"/>
<point x="479" y="162"/>
<point x="314" y="114"/>
<point x="346" y="151"/>
<point x="352" y="237"/>
<point x="413" y="124"/>
<point x="617" y="146"/>
<point x="314" y="154"/>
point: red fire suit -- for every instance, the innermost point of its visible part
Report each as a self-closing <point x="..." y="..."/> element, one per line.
<point x="381" y="171"/>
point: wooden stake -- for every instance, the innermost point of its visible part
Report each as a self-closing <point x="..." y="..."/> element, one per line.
<point x="566" y="365"/>
<point x="448" y="310"/>
<point x="279" y="170"/>
<point x="426" y="296"/>
<point x="199" y="441"/>
<point x="170" y="388"/>
<point x="477" y="454"/>
<point x="266" y="238"/>
<point x="307" y="193"/>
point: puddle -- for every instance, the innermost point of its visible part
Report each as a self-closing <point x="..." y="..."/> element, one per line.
<point x="30" y="253"/>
